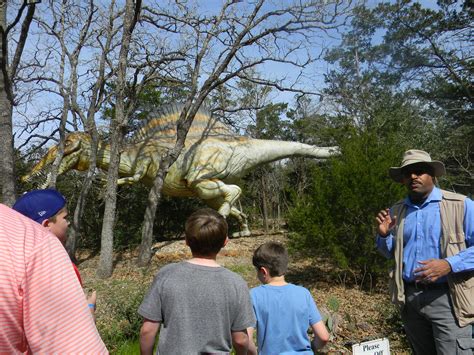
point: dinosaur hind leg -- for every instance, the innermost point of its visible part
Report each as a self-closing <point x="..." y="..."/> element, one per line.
<point x="222" y="197"/>
<point x="236" y="213"/>
<point x="242" y="218"/>
<point x="216" y="189"/>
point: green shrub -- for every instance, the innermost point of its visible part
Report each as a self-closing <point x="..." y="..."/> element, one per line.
<point x="119" y="322"/>
<point x="129" y="348"/>
<point x="336" y="217"/>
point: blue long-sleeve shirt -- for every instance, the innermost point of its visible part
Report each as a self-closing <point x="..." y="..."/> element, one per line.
<point x="422" y="234"/>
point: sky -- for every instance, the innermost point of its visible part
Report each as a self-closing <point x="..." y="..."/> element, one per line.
<point x="313" y="80"/>
<point x="44" y="101"/>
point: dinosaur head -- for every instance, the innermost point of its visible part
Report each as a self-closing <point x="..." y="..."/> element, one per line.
<point x="76" y="150"/>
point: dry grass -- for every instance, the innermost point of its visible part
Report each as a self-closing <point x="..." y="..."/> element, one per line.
<point x="361" y="315"/>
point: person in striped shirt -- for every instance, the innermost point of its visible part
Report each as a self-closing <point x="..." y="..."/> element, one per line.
<point x="42" y="305"/>
<point x="48" y="208"/>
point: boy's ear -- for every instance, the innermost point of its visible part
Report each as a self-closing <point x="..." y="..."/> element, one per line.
<point x="264" y="271"/>
<point x="225" y="241"/>
<point x="45" y="223"/>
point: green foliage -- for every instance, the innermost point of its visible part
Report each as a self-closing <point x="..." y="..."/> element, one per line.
<point x="417" y="53"/>
<point x="336" y="217"/>
<point x="121" y="323"/>
<point x="129" y="347"/>
<point x="269" y="123"/>
<point x="169" y="222"/>
<point x="420" y="100"/>
<point x="333" y="304"/>
<point x="247" y="271"/>
<point x="330" y="315"/>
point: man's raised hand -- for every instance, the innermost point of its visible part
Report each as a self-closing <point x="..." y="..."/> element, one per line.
<point x="385" y="222"/>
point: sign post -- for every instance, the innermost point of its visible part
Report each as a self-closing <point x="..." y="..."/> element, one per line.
<point x="373" y="347"/>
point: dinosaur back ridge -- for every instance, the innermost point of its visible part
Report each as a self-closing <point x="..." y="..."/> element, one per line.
<point x="161" y="125"/>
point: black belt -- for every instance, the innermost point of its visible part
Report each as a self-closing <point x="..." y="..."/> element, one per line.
<point x="427" y="286"/>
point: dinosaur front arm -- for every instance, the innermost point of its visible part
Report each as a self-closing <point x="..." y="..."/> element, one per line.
<point x="140" y="171"/>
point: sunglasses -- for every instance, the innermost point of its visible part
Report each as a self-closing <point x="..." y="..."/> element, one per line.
<point x="417" y="169"/>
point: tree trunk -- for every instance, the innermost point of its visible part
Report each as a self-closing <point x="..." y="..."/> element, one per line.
<point x="264" y="202"/>
<point x="278" y="216"/>
<point x="91" y="128"/>
<point x="6" y="149"/>
<point x="154" y="196"/>
<point x="6" y="136"/>
<point x="75" y="228"/>
<point x="130" y="18"/>
<point x="145" y="252"/>
<point x="62" y="136"/>
<point x="105" y="267"/>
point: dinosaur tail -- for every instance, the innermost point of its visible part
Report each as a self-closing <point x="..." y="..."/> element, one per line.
<point x="269" y="150"/>
<point x="257" y="152"/>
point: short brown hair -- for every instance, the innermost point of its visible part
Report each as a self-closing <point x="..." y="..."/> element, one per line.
<point x="206" y="232"/>
<point x="273" y="256"/>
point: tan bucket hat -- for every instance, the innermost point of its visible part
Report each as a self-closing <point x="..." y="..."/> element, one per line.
<point x="414" y="156"/>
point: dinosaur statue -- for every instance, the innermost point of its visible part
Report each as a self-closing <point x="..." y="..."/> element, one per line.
<point x="212" y="162"/>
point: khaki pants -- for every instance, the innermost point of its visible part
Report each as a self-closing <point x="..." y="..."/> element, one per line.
<point x="430" y="324"/>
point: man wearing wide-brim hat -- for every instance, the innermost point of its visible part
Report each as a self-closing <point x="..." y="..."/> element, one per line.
<point x="430" y="234"/>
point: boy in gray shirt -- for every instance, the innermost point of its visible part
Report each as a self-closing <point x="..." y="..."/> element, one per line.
<point x="198" y="306"/>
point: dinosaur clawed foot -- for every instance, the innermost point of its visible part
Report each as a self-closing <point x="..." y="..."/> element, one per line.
<point x="242" y="233"/>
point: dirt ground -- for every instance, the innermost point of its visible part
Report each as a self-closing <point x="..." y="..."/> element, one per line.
<point x="355" y="315"/>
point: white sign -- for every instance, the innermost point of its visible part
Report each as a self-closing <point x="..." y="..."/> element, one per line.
<point x="373" y="347"/>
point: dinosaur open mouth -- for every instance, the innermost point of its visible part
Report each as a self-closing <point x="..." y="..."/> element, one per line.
<point x="67" y="162"/>
<point x="28" y="178"/>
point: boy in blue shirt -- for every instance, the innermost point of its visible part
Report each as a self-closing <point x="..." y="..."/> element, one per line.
<point x="283" y="311"/>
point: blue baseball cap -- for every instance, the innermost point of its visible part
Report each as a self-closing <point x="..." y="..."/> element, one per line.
<point x="40" y="204"/>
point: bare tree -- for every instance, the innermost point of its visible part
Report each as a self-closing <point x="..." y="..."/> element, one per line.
<point x="241" y="36"/>
<point x="66" y="31"/>
<point x="170" y="43"/>
<point x="117" y="132"/>
<point x="96" y="94"/>
<point x="82" y="53"/>
<point x="7" y="96"/>
<point x="254" y="98"/>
